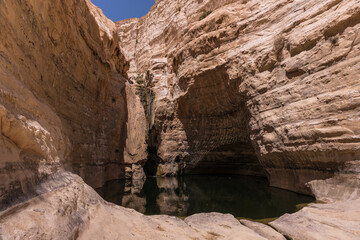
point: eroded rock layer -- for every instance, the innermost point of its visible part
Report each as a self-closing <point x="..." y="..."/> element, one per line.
<point x="279" y="79"/>
<point x="63" y="97"/>
<point x="250" y="87"/>
<point x="337" y="219"/>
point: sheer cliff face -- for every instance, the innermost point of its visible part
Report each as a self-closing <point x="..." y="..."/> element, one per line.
<point x="63" y="97"/>
<point x="247" y="87"/>
<point x="264" y="87"/>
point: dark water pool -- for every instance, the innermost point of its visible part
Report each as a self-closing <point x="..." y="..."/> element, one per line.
<point x="241" y="196"/>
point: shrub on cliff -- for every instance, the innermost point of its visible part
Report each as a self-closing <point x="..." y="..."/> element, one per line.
<point x="205" y="14"/>
<point x="139" y="79"/>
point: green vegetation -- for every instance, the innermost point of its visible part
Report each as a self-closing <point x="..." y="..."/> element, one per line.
<point x="160" y="172"/>
<point x="334" y="40"/>
<point x="301" y="206"/>
<point x="205" y="14"/>
<point x="147" y="97"/>
<point x="139" y="79"/>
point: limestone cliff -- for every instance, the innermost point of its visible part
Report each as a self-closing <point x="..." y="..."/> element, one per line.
<point x="250" y="87"/>
<point x="241" y="87"/>
<point x="63" y="97"/>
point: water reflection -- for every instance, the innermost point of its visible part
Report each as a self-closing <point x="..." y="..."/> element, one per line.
<point x="239" y="195"/>
<point x="172" y="200"/>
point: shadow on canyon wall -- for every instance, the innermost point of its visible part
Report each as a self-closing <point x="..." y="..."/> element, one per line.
<point x="216" y="121"/>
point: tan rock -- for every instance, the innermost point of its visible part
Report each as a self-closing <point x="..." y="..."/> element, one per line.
<point x="271" y="86"/>
<point x="63" y="97"/>
<point x="337" y="219"/>
<point x="345" y="185"/>
<point x="72" y="209"/>
<point x="220" y="226"/>
<point x="135" y="148"/>
<point x="263" y="230"/>
<point x="272" y="82"/>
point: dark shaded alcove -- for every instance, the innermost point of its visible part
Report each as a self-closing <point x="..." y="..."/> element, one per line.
<point x="153" y="160"/>
<point x="215" y="117"/>
<point x="237" y="158"/>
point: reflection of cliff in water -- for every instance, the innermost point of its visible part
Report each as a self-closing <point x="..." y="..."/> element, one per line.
<point x="241" y="196"/>
<point x="172" y="199"/>
<point x="125" y="193"/>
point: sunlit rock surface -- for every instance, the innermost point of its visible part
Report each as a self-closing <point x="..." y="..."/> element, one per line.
<point x="63" y="98"/>
<point x="337" y="218"/>
<point x="269" y="87"/>
<point x="264" y="230"/>
<point x="345" y="185"/>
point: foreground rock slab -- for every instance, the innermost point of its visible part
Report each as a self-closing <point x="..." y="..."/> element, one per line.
<point x="70" y="209"/>
<point x="340" y="220"/>
<point x="263" y="230"/>
<point x="220" y="226"/>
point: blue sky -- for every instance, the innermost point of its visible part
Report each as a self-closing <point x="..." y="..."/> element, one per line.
<point x="121" y="9"/>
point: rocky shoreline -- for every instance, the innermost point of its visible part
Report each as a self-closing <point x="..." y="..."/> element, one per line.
<point x="67" y="208"/>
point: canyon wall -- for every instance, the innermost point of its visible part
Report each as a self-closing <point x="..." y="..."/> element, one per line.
<point x="268" y="88"/>
<point x="249" y="87"/>
<point x="245" y="87"/>
<point x="63" y="97"/>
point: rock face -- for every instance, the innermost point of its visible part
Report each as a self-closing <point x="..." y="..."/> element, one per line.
<point x="337" y="219"/>
<point x="270" y="87"/>
<point x="263" y="230"/>
<point x="214" y="87"/>
<point x="64" y="102"/>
